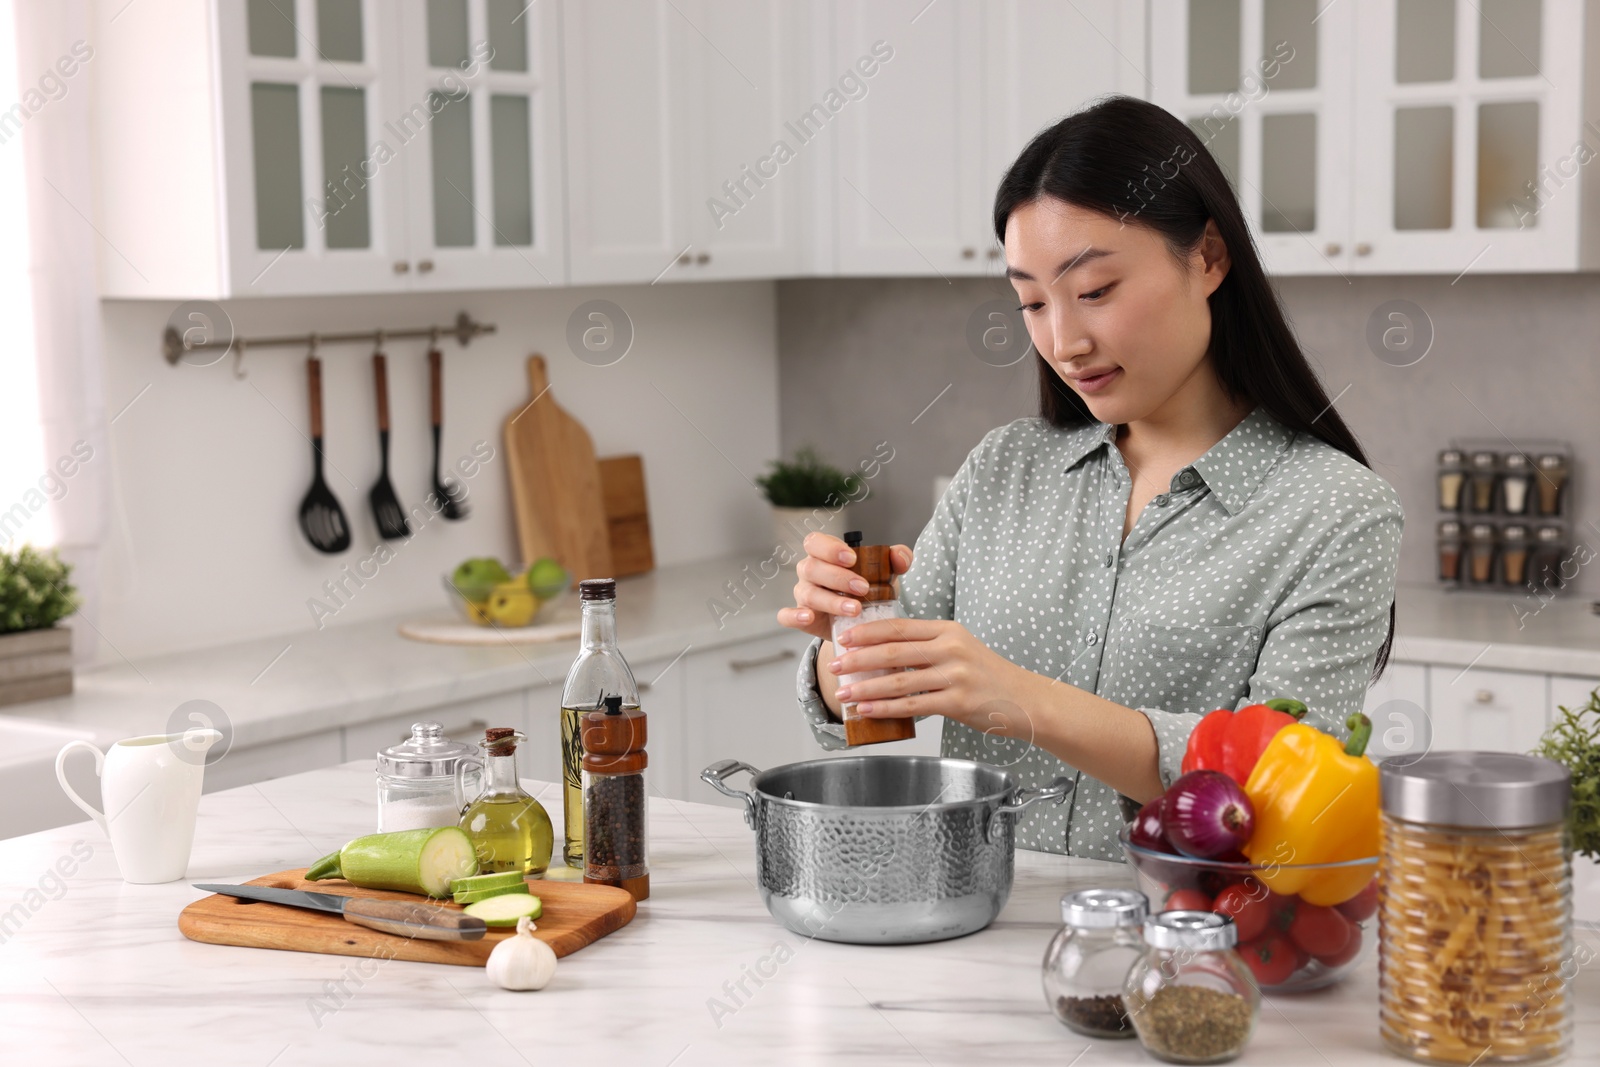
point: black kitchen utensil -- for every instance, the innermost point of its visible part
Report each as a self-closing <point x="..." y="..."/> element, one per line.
<point x="391" y="518"/>
<point x="321" y="518"/>
<point x="450" y="493"/>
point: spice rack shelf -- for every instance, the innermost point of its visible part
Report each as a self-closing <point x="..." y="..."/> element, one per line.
<point x="1503" y="507"/>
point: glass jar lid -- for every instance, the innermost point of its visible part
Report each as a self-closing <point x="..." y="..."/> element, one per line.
<point x="1491" y="790"/>
<point x="427" y="753"/>
<point x="1104" y="908"/>
<point x="1197" y="931"/>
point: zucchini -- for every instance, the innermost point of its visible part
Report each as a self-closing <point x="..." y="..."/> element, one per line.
<point x="496" y="880"/>
<point x="506" y="909"/>
<point x="423" y="861"/>
<point x="472" y="896"/>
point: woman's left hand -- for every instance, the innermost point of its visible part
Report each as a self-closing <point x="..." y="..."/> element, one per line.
<point x="957" y="675"/>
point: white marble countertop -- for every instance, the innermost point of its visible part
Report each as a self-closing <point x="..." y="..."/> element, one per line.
<point x="1497" y="630"/>
<point x="95" y="972"/>
<point x="300" y="683"/>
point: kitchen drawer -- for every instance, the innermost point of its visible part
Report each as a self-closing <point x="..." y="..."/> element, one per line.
<point x="1397" y="704"/>
<point x="246" y="766"/>
<point x="1567" y="691"/>
<point x="1475" y="709"/>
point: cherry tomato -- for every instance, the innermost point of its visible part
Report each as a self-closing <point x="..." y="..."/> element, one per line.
<point x="1271" y="958"/>
<point x="1248" y="911"/>
<point x="1346" y="954"/>
<point x="1362" y="906"/>
<point x="1320" y="931"/>
<point x="1188" y="900"/>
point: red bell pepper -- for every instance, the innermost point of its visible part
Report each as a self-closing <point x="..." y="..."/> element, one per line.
<point x="1232" y="741"/>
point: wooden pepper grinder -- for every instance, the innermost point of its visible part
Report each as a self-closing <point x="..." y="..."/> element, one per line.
<point x="879" y="602"/>
<point x="615" y="847"/>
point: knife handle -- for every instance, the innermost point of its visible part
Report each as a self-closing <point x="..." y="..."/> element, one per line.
<point x="424" y="921"/>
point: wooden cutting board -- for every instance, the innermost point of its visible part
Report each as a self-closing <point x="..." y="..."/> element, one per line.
<point x="575" y="915"/>
<point x="555" y="483"/>
<point x="627" y="514"/>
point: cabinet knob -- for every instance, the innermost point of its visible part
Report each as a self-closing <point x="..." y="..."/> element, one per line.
<point x="1483" y="696"/>
<point x="424" y="266"/>
<point x="685" y="259"/>
<point x="401" y="266"/>
<point x="1363" y="249"/>
<point x="703" y="258"/>
<point x="968" y="253"/>
<point x="994" y="253"/>
<point x="1333" y="248"/>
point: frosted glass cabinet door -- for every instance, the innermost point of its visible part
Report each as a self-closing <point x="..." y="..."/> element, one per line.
<point x="1265" y="84"/>
<point x="1468" y="113"/>
<point x="310" y="208"/>
<point x="479" y="128"/>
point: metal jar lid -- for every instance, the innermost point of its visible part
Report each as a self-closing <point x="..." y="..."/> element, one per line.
<point x="1451" y="457"/>
<point x="1515" y="462"/>
<point x="1485" y="461"/>
<point x="426" y="754"/>
<point x="1100" y="909"/>
<point x="1489" y="790"/>
<point x="1198" y="931"/>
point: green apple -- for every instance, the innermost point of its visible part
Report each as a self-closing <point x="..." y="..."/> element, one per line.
<point x="476" y="578"/>
<point x="547" y="577"/>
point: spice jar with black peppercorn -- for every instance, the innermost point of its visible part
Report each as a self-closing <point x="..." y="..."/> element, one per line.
<point x="1544" y="563"/>
<point x="614" y="850"/>
<point x="1089" y="958"/>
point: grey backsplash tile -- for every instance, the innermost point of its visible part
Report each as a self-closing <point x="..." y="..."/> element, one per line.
<point x="859" y="359"/>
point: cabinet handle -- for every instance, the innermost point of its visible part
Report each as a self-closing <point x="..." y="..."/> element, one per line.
<point x="1363" y="249"/>
<point x="643" y="687"/>
<point x="968" y="253"/>
<point x="424" y="266"/>
<point x="1483" y="696"/>
<point x="1334" y="248"/>
<point x="762" y="661"/>
<point x="401" y="266"/>
<point x="703" y="258"/>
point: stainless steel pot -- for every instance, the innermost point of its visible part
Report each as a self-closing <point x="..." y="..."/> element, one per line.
<point x="883" y="850"/>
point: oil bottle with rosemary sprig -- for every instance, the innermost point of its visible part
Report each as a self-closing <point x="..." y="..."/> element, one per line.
<point x="600" y="671"/>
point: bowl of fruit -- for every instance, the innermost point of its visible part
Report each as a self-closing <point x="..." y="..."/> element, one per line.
<point x="1274" y="824"/>
<point x="483" y="591"/>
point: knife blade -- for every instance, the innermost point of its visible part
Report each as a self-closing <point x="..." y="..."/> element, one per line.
<point x="399" y="917"/>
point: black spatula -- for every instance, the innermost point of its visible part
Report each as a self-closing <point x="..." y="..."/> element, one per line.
<point x="321" y="518"/>
<point x="386" y="508"/>
<point x="452" y="496"/>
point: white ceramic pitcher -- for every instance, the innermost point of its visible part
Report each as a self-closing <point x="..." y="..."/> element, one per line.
<point x="151" y="789"/>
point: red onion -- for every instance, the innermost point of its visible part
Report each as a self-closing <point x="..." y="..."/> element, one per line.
<point x="1207" y="815"/>
<point x="1145" y="830"/>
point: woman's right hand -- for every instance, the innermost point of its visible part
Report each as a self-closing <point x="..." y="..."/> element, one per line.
<point x="826" y="586"/>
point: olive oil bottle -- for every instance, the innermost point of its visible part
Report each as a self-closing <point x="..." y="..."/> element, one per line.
<point x="600" y="671"/>
<point x="510" y="830"/>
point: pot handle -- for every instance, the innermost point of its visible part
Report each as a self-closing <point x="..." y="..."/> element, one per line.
<point x="1022" y="801"/>
<point x="714" y="776"/>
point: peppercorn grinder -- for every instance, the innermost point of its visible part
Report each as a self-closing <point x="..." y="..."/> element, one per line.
<point x="879" y="602"/>
<point x="614" y="830"/>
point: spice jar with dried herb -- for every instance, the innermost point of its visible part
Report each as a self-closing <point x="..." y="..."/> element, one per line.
<point x="614" y="831"/>
<point x="1189" y="996"/>
<point x="1089" y="958"/>
<point x="1475" y="917"/>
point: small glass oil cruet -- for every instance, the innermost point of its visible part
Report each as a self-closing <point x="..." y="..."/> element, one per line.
<point x="510" y="829"/>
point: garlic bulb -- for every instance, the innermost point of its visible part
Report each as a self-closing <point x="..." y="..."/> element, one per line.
<point x="521" y="961"/>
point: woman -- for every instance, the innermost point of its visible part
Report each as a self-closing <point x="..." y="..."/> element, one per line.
<point x="1187" y="525"/>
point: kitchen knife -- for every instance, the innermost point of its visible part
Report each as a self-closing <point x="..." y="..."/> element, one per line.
<point x="399" y="917"/>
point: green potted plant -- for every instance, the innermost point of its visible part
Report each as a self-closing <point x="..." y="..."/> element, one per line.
<point x="35" y="653"/>
<point x="1573" y="740"/>
<point x="808" y="494"/>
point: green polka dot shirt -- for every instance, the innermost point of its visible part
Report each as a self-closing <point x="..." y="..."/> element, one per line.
<point x="1266" y="569"/>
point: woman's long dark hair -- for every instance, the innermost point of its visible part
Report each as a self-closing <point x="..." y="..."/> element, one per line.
<point x="1132" y="160"/>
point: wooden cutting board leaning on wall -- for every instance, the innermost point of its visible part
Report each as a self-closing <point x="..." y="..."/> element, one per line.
<point x="627" y="514"/>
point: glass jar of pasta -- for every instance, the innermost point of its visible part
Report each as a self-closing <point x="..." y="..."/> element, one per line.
<point x="1475" y="915"/>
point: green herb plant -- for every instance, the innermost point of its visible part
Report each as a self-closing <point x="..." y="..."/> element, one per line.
<point x="1574" y="741"/>
<point x="34" y="591"/>
<point x="808" y="482"/>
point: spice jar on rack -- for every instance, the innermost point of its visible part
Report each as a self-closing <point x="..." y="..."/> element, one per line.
<point x="1480" y="553"/>
<point x="1450" y="551"/>
<point x="1552" y="483"/>
<point x="614" y="851"/>
<point x="1089" y="959"/>
<point x="1549" y="553"/>
<point x="1516" y="484"/>
<point x="1480" y="486"/>
<point x="1189" y="996"/>
<point x="1475" y="920"/>
<point x="879" y="602"/>
<point x="1452" y="478"/>
<point x="1514" y="553"/>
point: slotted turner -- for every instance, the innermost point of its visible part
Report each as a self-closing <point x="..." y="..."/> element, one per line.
<point x="450" y="494"/>
<point x="321" y="518"/>
<point x="391" y="518"/>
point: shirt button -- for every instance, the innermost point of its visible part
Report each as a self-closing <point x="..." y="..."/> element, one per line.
<point x="1108" y="559"/>
<point x="1091" y="638"/>
<point x="1161" y="501"/>
<point x="1186" y="478"/>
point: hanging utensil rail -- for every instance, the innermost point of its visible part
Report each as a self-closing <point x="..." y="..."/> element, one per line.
<point x="464" y="329"/>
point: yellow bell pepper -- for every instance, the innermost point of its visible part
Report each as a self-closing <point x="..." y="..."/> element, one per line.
<point x="1316" y="801"/>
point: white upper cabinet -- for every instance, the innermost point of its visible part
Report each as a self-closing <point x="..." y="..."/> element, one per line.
<point x="283" y="147"/>
<point x="1391" y="136"/>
